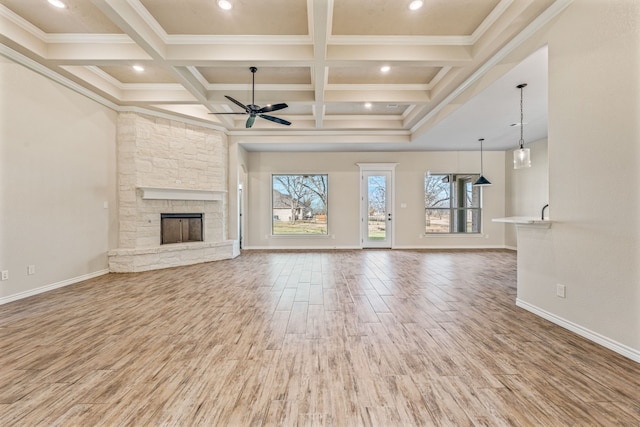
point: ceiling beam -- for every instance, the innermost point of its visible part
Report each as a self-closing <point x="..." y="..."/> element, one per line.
<point x="320" y="13"/>
<point x="83" y="53"/>
<point x="427" y="55"/>
<point x="15" y="28"/>
<point x="200" y="54"/>
<point x="121" y="13"/>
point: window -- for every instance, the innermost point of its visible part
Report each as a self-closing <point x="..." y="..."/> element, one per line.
<point x="299" y="205"/>
<point x="452" y="203"/>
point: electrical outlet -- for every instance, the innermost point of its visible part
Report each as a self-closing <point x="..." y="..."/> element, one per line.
<point x="31" y="269"/>
<point x="561" y="290"/>
<point x="5" y="274"/>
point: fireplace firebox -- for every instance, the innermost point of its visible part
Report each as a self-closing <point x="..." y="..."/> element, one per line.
<point x="181" y="228"/>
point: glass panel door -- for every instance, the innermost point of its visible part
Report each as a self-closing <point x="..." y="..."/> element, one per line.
<point x="376" y="199"/>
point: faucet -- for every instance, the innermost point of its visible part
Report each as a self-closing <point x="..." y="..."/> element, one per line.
<point x="543" y="208"/>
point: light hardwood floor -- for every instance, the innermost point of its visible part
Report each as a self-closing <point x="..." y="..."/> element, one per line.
<point x="344" y="338"/>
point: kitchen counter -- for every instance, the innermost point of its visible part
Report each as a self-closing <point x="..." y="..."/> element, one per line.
<point x="525" y="220"/>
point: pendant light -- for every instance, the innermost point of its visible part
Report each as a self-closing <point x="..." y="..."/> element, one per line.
<point x="521" y="156"/>
<point x="481" y="181"/>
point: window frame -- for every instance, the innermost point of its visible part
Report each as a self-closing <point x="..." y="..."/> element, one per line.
<point x="452" y="209"/>
<point x="304" y="207"/>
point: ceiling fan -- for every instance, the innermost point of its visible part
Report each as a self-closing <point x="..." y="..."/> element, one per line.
<point x="254" y="110"/>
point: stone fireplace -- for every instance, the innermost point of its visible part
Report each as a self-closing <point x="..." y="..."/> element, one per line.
<point x="171" y="169"/>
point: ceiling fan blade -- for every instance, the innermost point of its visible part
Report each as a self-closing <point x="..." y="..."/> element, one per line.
<point x="275" y="119"/>
<point x="227" y="113"/>
<point x="250" y="120"/>
<point x="238" y="103"/>
<point x="274" y="107"/>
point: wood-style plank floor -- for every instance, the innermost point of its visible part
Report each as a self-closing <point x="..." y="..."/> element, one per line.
<point x="344" y="338"/>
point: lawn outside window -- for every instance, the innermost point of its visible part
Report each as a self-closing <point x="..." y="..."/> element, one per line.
<point x="452" y="204"/>
<point x="299" y="205"/>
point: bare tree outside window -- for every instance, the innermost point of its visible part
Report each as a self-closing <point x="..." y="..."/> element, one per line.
<point x="299" y="204"/>
<point x="317" y="184"/>
<point x="452" y="203"/>
<point x="377" y="207"/>
<point x="377" y="196"/>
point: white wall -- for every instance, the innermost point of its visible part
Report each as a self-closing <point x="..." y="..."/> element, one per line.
<point x="593" y="246"/>
<point x="344" y="192"/>
<point x="527" y="190"/>
<point x="57" y="171"/>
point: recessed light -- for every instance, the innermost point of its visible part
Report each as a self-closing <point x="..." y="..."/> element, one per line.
<point x="225" y="4"/>
<point x="416" y="4"/>
<point x="138" y="68"/>
<point x="367" y="105"/>
<point x="57" y="3"/>
<point x="385" y="69"/>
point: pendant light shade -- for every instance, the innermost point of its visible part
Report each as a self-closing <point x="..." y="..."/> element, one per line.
<point x="481" y="181"/>
<point x="521" y="156"/>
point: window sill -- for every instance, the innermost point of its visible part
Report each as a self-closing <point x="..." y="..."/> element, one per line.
<point x="454" y="235"/>
<point x="301" y="236"/>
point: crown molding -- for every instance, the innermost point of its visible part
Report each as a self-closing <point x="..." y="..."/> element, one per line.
<point x="237" y="40"/>
<point x="43" y="70"/>
<point x="71" y="38"/>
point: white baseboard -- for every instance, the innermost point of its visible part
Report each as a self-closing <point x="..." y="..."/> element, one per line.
<point x="52" y="286"/>
<point x="445" y="247"/>
<point x="619" y="348"/>
<point x="512" y="248"/>
<point x="403" y="247"/>
<point x="299" y="248"/>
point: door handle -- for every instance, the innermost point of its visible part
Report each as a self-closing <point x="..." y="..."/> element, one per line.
<point x="389" y="217"/>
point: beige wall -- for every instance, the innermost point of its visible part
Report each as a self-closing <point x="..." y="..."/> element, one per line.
<point x="593" y="246"/>
<point x="344" y="193"/>
<point x="527" y="190"/>
<point x="57" y="172"/>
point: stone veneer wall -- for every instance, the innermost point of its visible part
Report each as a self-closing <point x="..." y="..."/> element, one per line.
<point x="167" y="154"/>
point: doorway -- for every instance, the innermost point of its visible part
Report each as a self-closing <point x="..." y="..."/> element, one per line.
<point x="240" y="216"/>
<point x="376" y="210"/>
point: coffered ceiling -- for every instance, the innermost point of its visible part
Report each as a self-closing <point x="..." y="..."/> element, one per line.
<point x="322" y="57"/>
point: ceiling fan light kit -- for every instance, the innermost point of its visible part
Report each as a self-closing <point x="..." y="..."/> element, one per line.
<point x="521" y="156"/>
<point x="254" y="110"/>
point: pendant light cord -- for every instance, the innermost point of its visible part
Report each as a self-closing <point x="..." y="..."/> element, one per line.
<point x="521" y="116"/>
<point x="481" y="165"/>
